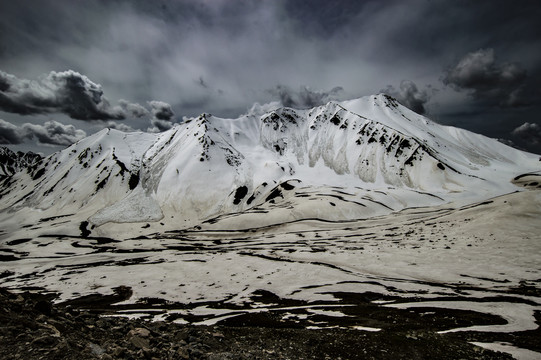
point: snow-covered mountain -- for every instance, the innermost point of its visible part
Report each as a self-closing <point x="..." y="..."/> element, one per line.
<point x="344" y="160"/>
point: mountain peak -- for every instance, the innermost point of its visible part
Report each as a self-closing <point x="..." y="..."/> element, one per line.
<point x="381" y="155"/>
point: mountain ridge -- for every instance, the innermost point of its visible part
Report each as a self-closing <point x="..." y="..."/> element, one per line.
<point x="12" y="162"/>
<point x="285" y="161"/>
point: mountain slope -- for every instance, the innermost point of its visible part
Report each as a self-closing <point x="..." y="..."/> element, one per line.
<point x="344" y="160"/>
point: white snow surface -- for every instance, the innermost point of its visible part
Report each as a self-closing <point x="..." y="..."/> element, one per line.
<point x="519" y="317"/>
<point x="517" y="353"/>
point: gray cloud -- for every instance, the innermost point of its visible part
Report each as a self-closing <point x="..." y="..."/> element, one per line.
<point x="488" y="81"/>
<point x="132" y="110"/>
<point x="529" y="132"/>
<point x="65" y="92"/>
<point x="159" y="125"/>
<point x="50" y="133"/>
<point x="4" y="82"/>
<point x="305" y="97"/>
<point x="54" y="133"/>
<point x="162" y="115"/>
<point x="10" y="134"/>
<point x="202" y="82"/>
<point x="161" y="110"/>
<point x="409" y="95"/>
<point x="183" y="51"/>
<point x="118" y="126"/>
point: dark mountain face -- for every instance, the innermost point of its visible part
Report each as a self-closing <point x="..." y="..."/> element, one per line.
<point x="12" y="162"/>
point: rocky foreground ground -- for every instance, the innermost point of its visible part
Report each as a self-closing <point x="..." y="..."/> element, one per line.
<point x="32" y="327"/>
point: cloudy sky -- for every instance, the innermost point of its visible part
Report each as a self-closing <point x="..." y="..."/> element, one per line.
<point x="69" y="68"/>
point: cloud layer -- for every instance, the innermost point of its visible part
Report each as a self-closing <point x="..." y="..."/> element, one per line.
<point x="65" y="92"/>
<point x="221" y="57"/>
<point x="50" y="133"/>
<point x="162" y="115"/>
<point x="305" y="97"/>
<point x="488" y="81"/>
<point x="529" y="132"/>
<point x="74" y="95"/>
<point x="161" y="110"/>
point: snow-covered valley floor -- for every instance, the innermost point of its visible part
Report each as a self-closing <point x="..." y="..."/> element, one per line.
<point x="469" y="269"/>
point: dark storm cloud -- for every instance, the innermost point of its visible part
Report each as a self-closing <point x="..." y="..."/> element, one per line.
<point x="529" y="132"/>
<point x="159" y="125"/>
<point x="132" y="110"/>
<point x="54" y="133"/>
<point x="4" y="83"/>
<point x="10" y="134"/>
<point x="202" y="82"/>
<point x="50" y="133"/>
<point x="488" y="81"/>
<point x="409" y="95"/>
<point x="161" y="110"/>
<point x="161" y="116"/>
<point x="221" y="56"/>
<point x="304" y="97"/>
<point x="65" y="92"/>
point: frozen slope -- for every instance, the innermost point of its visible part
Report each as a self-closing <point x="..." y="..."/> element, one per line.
<point x="344" y="160"/>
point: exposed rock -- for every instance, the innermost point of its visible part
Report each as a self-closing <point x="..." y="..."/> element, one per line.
<point x="68" y="333"/>
<point x="140" y="332"/>
<point x="139" y="342"/>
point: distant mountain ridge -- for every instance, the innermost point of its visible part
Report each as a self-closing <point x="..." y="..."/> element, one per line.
<point x="12" y="162"/>
<point x="366" y="157"/>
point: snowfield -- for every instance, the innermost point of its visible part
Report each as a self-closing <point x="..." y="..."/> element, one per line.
<point x="203" y="222"/>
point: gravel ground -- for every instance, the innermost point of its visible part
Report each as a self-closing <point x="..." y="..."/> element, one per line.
<point x="31" y="327"/>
